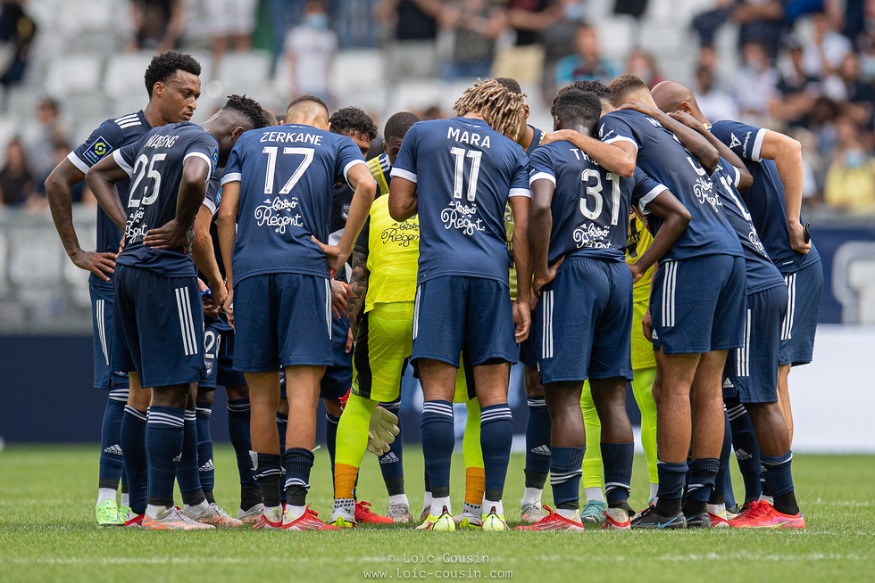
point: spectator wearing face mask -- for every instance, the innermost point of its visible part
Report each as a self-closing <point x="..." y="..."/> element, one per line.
<point x="850" y="180"/>
<point x="310" y="48"/>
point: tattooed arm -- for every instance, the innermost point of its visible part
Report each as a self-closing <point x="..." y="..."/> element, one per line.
<point x="358" y="287"/>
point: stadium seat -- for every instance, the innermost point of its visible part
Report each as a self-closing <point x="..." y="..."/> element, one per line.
<point x="418" y="94"/>
<point x="243" y="72"/>
<point x="356" y="71"/>
<point x="74" y="74"/>
<point x="124" y="74"/>
<point x="616" y="36"/>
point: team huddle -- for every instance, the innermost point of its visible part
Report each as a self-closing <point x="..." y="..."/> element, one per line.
<point x="636" y="243"/>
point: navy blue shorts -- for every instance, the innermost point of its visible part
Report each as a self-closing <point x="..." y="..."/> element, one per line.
<point x="529" y="350"/>
<point x="338" y="375"/>
<point x="219" y="358"/>
<point x="583" y="322"/>
<point x="102" y="335"/>
<point x="161" y="321"/>
<point x="453" y="314"/>
<point x="751" y="371"/>
<point x="282" y="319"/>
<point x="805" y="288"/>
<point x="697" y="304"/>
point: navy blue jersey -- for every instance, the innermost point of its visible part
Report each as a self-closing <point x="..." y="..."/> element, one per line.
<point x="109" y="136"/>
<point x="761" y="272"/>
<point x="590" y="205"/>
<point x="765" y="198"/>
<point x="665" y="159"/>
<point x="154" y="164"/>
<point x="536" y="140"/>
<point x="287" y="177"/>
<point x="464" y="173"/>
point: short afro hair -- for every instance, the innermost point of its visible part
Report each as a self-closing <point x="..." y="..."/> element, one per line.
<point x="250" y="109"/>
<point x="576" y="106"/>
<point x="597" y="88"/>
<point x="397" y="125"/>
<point x="352" y="120"/>
<point x="510" y="84"/>
<point x="165" y="65"/>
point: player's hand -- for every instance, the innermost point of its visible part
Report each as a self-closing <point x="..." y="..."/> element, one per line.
<point x="541" y="279"/>
<point x="349" y="341"/>
<point x="641" y="107"/>
<point x="637" y="274"/>
<point x="686" y="119"/>
<point x="647" y="325"/>
<point x="559" y="136"/>
<point x="218" y="293"/>
<point x="170" y="235"/>
<point x="382" y="431"/>
<point x="339" y="298"/>
<point x="800" y="240"/>
<point x="522" y="320"/>
<point x="228" y="307"/>
<point x="333" y="254"/>
<point x="100" y="264"/>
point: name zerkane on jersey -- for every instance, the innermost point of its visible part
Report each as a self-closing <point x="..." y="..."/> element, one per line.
<point x="469" y="138"/>
<point x="292" y="138"/>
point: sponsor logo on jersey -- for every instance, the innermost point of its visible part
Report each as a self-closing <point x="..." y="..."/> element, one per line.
<point x="734" y="142"/>
<point x="97" y="151"/>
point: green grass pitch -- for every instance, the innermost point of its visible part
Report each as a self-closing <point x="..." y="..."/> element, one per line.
<point x="47" y="534"/>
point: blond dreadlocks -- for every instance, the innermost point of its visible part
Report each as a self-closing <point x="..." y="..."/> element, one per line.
<point x="500" y="107"/>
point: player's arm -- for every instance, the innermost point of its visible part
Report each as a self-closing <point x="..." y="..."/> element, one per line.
<point x="698" y="146"/>
<point x="403" y="202"/>
<point x="745" y="179"/>
<point x="675" y="217"/>
<point x="359" y="178"/>
<point x="358" y="287"/>
<point x="787" y="154"/>
<point x="202" y="247"/>
<point x="613" y="159"/>
<point x="540" y="226"/>
<point x="59" y="187"/>
<point x="101" y="179"/>
<point x="519" y="206"/>
<point x="226" y="226"/>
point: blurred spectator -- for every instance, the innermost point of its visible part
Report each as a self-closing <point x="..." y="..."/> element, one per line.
<point x="850" y="180"/>
<point x="158" y="24"/>
<point x="16" y="181"/>
<point x="642" y="64"/>
<point x="587" y="63"/>
<point x="714" y="103"/>
<point x="558" y="42"/>
<point x="758" y="21"/>
<point x="824" y="55"/>
<point x="310" y="48"/>
<point x="412" y="52"/>
<point x="474" y="24"/>
<point x="528" y="19"/>
<point x="79" y="191"/>
<point x="40" y="137"/>
<point x="17" y="31"/>
<point x="232" y="22"/>
<point x="755" y="83"/>
<point x="353" y="21"/>
<point x="796" y="90"/>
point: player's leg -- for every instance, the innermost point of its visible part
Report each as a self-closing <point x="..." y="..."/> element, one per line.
<point x="805" y="288"/>
<point x="379" y="357"/>
<point x="717" y="502"/>
<point x="205" y="466"/>
<point x="133" y="442"/>
<point x="642" y="390"/>
<point x="747" y="450"/>
<point x="617" y="447"/>
<point x="438" y="331"/>
<point x="111" y="467"/>
<point x="593" y="513"/>
<point x="568" y="444"/>
<point x="475" y="474"/>
<point x="537" y="440"/>
<point x="392" y="470"/>
<point x="757" y="392"/>
<point x="490" y="347"/>
<point x="239" y="412"/>
<point x="335" y="384"/>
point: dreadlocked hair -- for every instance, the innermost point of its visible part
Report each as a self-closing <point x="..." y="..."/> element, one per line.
<point x="501" y="108"/>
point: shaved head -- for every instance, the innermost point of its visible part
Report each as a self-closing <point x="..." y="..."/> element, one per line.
<point x="308" y="110"/>
<point x="671" y="96"/>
